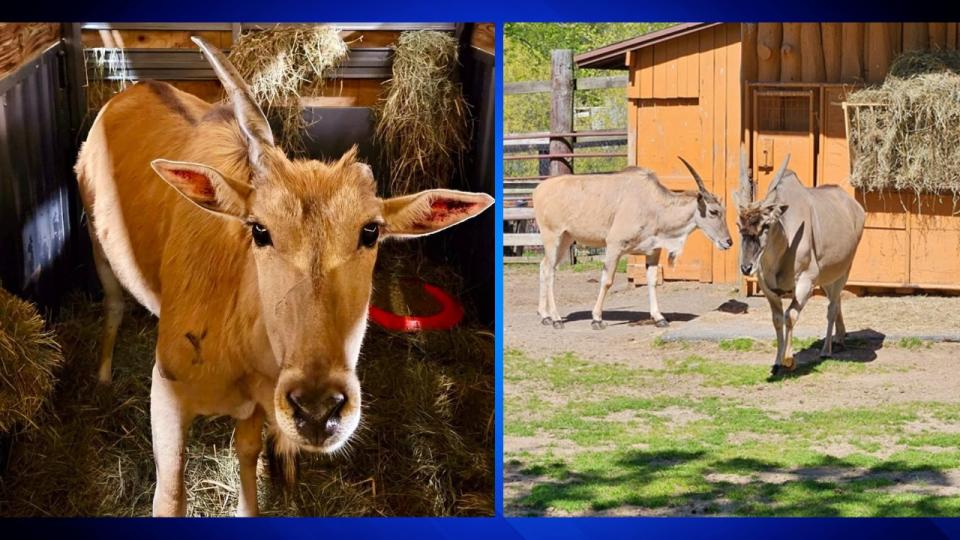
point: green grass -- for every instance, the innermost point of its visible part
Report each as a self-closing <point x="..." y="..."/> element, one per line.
<point x="737" y="344"/>
<point x="596" y="266"/>
<point x="800" y="344"/>
<point x="613" y="448"/>
<point x="911" y="343"/>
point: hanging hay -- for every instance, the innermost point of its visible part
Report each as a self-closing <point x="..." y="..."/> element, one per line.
<point x="905" y="134"/>
<point x="110" y="77"/>
<point x="282" y="64"/>
<point x="29" y="356"/>
<point x="423" y="122"/>
<point x="425" y="445"/>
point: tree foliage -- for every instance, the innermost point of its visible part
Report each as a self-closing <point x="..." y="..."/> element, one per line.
<point x="527" y="49"/>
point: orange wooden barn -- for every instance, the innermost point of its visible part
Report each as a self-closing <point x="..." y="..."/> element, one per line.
<point x="700" y="89"/>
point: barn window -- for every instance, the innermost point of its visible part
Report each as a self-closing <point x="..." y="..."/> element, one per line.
<point x="778" y="112"/>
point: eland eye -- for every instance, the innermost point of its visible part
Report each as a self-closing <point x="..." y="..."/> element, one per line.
<point x="715" y="213"/>
<point x="261" y="236"/>
<point x="370" y="234"/>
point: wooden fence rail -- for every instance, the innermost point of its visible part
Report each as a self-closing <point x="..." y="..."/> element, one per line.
<point x="556" y="147"/>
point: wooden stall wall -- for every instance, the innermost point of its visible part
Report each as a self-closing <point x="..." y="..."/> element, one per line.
<point x="683" y="99"/>
<point x="906" y="243"/>
<point x="354" y="92"/>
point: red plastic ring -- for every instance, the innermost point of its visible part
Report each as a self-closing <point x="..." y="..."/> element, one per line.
<point x="449" y="315"/>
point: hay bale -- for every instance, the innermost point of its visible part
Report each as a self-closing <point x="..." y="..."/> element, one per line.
<point x="905" y="134"/>
<point x="29" y="358"/>
<point x="20" y="41"/>
<point x="423" y="123"/>
<point x="281" y="64"/>
<point x="425" y="445"/>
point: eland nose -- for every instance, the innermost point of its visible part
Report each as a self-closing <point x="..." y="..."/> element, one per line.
<point x="746" y="269"/>
<point x="727" y="243"/>
<point x="317" y="414"/>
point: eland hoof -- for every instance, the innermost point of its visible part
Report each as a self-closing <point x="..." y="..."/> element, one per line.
<point x="662" y="323"/>
<point x="598" y="325"/>
<point x="789" y="364"/>
<point x="558" y="325"/>
<point x="546" y="321"/>
<point x="776" y="370"/>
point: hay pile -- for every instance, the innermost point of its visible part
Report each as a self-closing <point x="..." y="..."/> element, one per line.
<point x="29" y="358"/>
<point x="905" y="135"/>
<point x="423" y="123"/>
<point x="425" y="446"/>
<point x="20" y="41"/>
<point x="283" y="63"/>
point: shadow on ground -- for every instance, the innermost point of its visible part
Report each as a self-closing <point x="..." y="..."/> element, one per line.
<point x="628" y="317"/>
<point x="738" y="486"/>
<point x="859" y="347"/>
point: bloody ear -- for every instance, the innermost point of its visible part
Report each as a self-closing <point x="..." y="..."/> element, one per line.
<point x="430" y="211"/>
<point x="203" y="186"/>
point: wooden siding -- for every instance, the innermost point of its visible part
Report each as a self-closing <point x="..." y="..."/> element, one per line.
<point x="907" y="242"/>
<point x="684" y="100"/>
<point x="835" y="52"/>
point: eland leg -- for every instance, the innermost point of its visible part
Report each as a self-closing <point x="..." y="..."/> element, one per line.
<point x="610" y="261"/>
<point x="653" y="272"/>
<point x="549" y="256"/>
<point x="169" y="423"/>
<point x="553" y="255"/>
<point x="833" y="310"/>
<point x="776" y="311"/>
<point x="801" y="294"/>
<point x="248" y="442"/>
<point x="841" y="332"/>
<point x="113" y="307"/>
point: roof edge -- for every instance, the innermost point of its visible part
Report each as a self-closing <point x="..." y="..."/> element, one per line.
<point x="613" y="56"/>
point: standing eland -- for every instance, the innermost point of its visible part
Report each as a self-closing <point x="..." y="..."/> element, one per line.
<point x="629" y="212"/>
<point x="793" y="240"/>
<point x="259" y="268"/>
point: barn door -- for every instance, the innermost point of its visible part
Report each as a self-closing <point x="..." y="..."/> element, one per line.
<point x="783" y="124"/>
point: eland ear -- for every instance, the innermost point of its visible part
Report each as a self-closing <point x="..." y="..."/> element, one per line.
<point x="431" y="211"/>
<point x="204" y="186"/>
<point x="773" y="210"/>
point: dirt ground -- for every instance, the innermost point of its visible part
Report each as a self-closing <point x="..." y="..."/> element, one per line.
<point x="698" y="311"/>
<point x="903" y="356"/>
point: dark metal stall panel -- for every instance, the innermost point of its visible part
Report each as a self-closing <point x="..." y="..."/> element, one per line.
<point x="472" y="245"/>
<point x="38" y="214"/>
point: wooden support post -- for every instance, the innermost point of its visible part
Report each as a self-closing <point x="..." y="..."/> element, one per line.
<point x="561" y="109"/>
<point x="938" y="35"/>
<point x="831" y="50"/>
<point x="916" y="36"/>
<point x="544" y="164"/>
<point x="790" y="59"/>
<point x="851" y="55"/>
<point x="769" y="36"/>
<point x="879" y="51"/>
<point x="811" y="53"/>
<point x="748" y="56"/>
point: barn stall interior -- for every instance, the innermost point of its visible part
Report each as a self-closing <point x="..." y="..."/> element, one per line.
<point x="426" y="443"/>
<point x="815" y="91"/>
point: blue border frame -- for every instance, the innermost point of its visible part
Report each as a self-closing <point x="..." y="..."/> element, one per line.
<point x="498" y="279"/>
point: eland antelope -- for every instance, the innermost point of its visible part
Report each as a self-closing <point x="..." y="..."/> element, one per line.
<point x="793" y="240"/>
<point x="629" y="212"/>
<point x="259" y="268"/>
